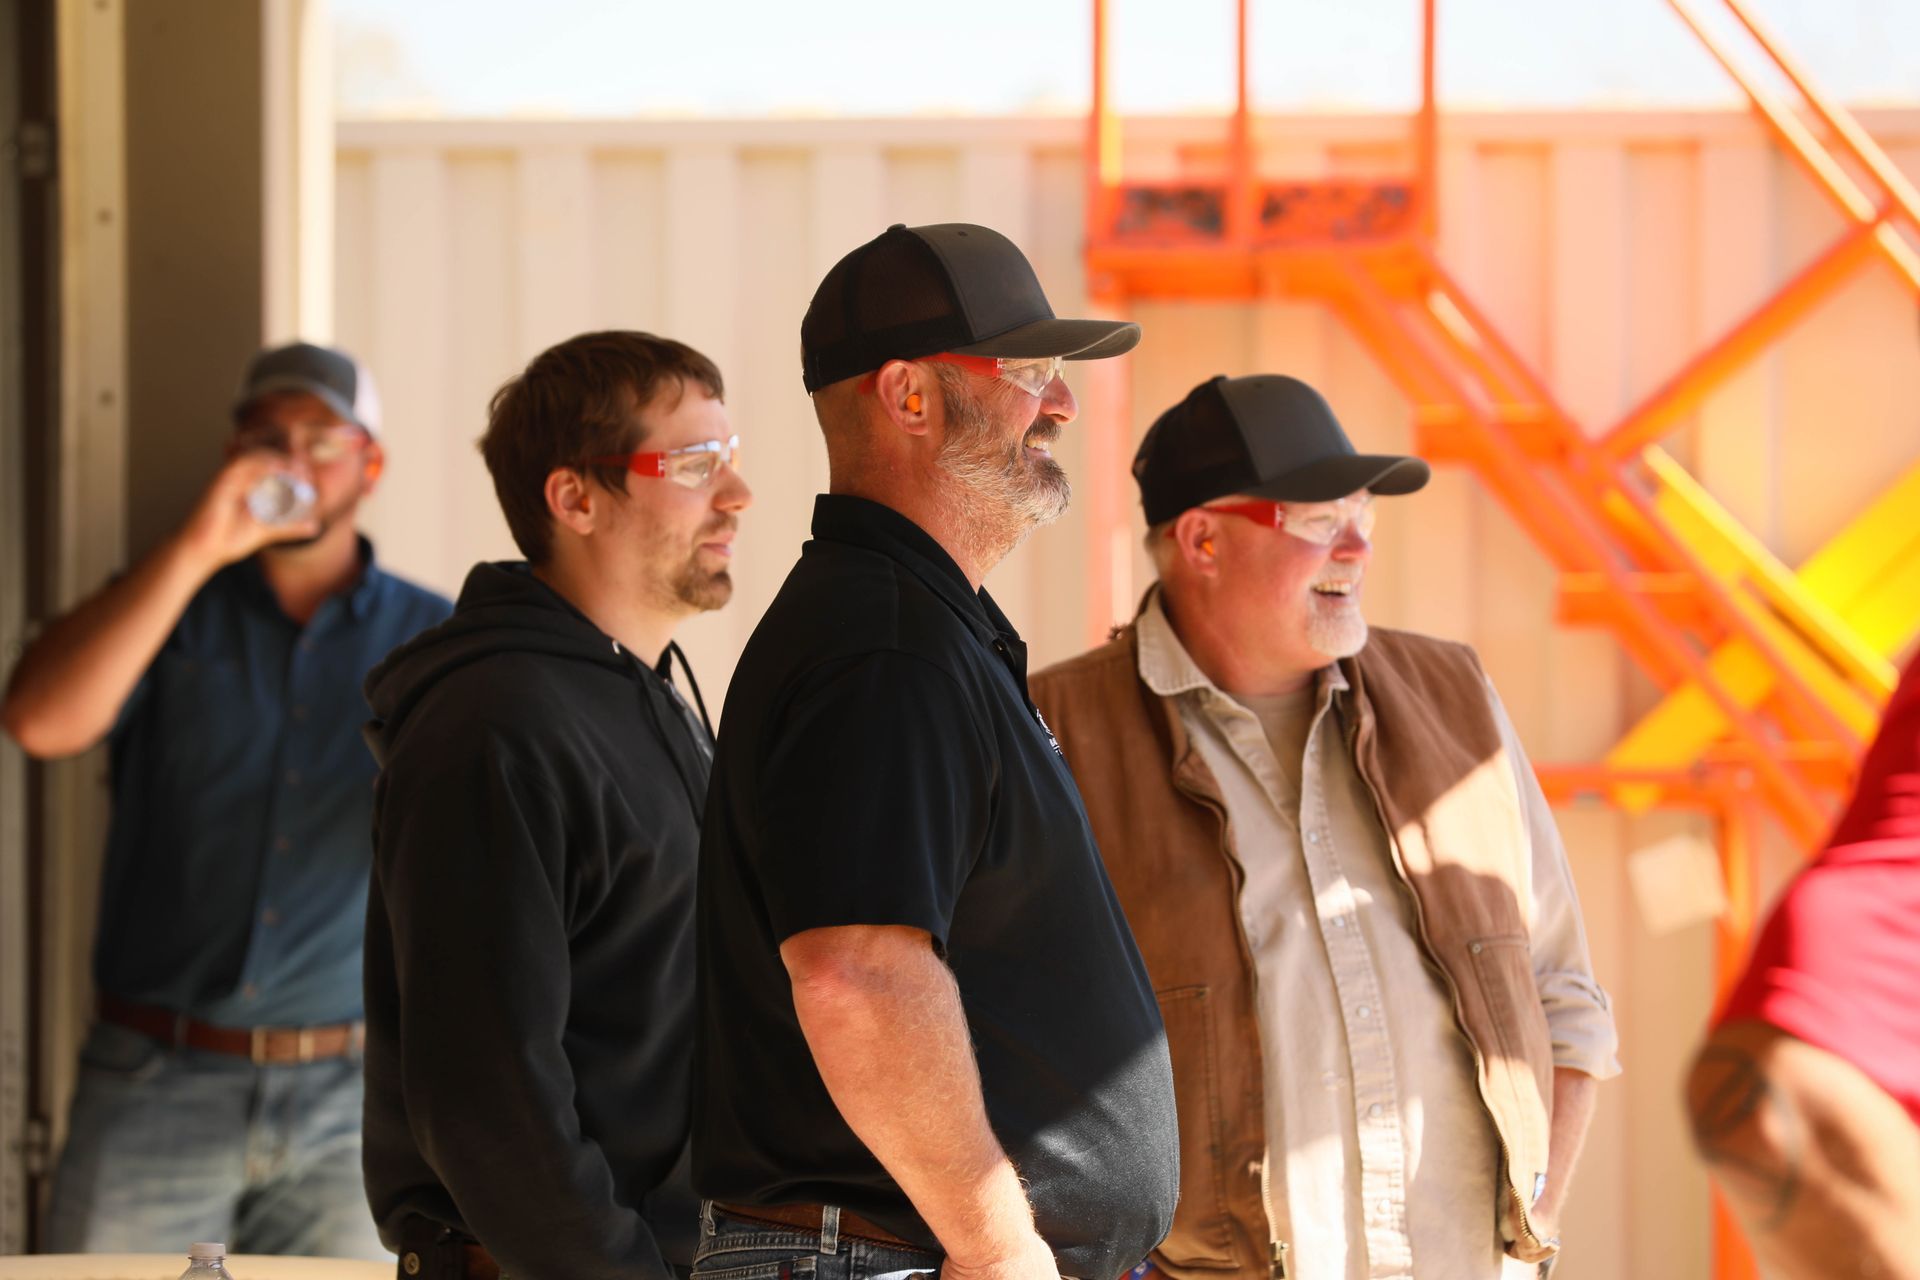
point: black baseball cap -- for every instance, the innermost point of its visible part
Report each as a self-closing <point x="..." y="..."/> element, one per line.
<point x="341" y="382"/>
<point x="1267" y="435"/>
<point x="917" y="291"/>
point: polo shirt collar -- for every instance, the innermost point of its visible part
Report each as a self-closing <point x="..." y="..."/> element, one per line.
<point x="861" y="522"/>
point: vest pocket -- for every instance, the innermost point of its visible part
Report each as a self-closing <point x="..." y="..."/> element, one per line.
<point x="1519" y="1067"/>
<point x="1503" y="967"/>
<point x="1202" y="1234"/>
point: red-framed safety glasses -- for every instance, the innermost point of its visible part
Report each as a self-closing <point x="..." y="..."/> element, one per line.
<point x="1031" y="376"/>
<point x="691" y="467"/>
<point x="1316" y="522"/>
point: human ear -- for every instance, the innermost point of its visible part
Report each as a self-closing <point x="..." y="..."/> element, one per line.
<point x="570" y="499"/>
<point x="905" y="393"/>
<point x="1194" y="533"/>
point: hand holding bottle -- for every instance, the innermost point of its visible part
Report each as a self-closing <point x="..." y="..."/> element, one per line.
<point x="259" y="497"/>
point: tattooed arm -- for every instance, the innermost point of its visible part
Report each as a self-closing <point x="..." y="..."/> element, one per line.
<point x="1819" y="1164"/>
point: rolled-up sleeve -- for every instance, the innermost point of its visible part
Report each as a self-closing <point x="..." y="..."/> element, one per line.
<point x="1579" y="1014"/>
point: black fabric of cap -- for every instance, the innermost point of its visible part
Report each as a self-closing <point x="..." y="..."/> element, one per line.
<point x="918" y="291"/>
<point x="1268" y="435"/>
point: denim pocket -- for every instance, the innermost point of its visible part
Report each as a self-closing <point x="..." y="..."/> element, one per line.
<point x="795" y="1268"/>
<point x="121" y="1054"/>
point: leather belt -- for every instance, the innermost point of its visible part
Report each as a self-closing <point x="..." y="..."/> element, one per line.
<point x="808" y="1218"/>
<point x="263" y="1046"/>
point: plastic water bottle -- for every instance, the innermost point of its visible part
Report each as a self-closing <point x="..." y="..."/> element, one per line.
<point x="281" y="497"/>
<point x="207" y="1262"/>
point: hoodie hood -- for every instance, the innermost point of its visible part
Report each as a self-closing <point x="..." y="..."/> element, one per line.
<point x="502" y="608"/>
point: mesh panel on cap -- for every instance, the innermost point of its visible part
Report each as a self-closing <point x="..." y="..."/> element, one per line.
<point x="887" y="300"/>
<point x="1193" y="454"/>
<point x="1196" y="436"/>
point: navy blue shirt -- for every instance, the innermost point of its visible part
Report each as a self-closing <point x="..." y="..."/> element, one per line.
<point x="235" y="888"/>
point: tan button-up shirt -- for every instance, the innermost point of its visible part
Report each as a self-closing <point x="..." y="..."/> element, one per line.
<point x="1381" y="1160"/>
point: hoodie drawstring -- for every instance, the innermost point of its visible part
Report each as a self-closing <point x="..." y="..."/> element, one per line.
<point x="675" y="651"/>
<point x="694" y="797"/>
<point x="664" y="672"/>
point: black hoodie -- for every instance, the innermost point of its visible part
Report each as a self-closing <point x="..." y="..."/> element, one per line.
<point x="529" y="966"/>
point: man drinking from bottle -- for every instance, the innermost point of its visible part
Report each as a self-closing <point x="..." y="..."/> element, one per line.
<point x="219" y="1091"/>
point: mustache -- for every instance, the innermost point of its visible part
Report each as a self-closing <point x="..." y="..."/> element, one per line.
<point x="1342" y="575"/>
<point x="1043" y="429"/>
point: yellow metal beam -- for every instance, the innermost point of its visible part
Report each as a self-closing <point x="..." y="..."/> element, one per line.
<point x="1866" y="580"/>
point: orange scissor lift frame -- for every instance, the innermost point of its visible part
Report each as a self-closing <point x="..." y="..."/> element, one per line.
<point x="1774" y="679"/>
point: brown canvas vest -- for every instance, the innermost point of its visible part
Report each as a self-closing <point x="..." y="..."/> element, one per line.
<point x="1427" y="745"/>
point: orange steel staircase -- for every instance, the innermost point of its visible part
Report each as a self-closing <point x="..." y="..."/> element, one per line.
<point x="1774" y="679"/>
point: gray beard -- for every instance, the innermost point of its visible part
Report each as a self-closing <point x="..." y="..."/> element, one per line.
<point x="997" y="497"/>
<point x="1337" y="637"/>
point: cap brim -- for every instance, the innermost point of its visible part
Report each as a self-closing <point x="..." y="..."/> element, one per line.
<point x="293" y="382"/>
<point x="1326" y="479"/>
<point x="1071" y="339"/>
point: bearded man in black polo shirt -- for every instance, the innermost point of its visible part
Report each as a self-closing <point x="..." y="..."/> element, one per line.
<point x="926" y="1039"/>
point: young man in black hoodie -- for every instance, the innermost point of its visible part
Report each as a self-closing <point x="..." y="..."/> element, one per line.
<point x="530" y="961"/>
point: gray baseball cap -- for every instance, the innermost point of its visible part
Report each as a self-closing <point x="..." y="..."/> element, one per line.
<point x="341" y="382"/>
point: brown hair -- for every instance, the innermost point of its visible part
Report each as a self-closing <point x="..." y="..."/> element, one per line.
<point x="580" y="399"/>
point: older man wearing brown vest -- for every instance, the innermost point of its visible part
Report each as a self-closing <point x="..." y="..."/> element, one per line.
<point x="1354" y="906"/>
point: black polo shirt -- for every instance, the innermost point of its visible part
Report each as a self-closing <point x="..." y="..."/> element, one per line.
<point x="879" y="763"/>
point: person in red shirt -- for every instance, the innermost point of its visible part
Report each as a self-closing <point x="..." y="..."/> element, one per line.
<point x="1805" y="1098"/>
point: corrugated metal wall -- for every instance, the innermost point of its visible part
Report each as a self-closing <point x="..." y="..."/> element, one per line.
<point x="1609" y="246"/>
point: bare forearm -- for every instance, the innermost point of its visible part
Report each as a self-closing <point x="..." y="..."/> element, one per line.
<point x="69" y="686"/>
<point x="1819" y="1164"/>
<point x="1574" y="1096"/>
<point x="883" y="1018"/>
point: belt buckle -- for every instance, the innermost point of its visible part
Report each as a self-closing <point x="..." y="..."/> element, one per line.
<point x="259" y="1040"/>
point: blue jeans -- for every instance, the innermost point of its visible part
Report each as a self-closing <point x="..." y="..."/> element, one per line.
<point x="168" y="1146"/>
<point x="736" y="1249"/>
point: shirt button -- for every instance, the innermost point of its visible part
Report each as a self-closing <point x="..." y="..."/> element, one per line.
<point x="1376" y="1111"/>
<point x="1386" y="1206"/>
<point x="1339" y="922"/>
<point x="1313" y="837"/>
<point x="1365" y="1011"/>
<point x="281" y="844"/>
<point x="293" y="777"/>
<point x="299" y="711"/>
<point x="269" y="917"/>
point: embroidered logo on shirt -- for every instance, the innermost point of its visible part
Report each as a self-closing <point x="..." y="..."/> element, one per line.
<point x="1051" y="740"/>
